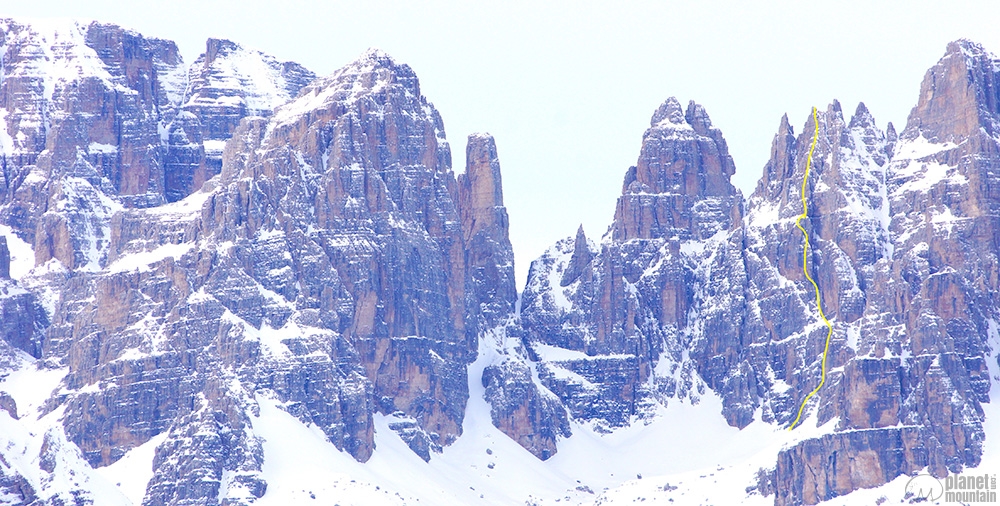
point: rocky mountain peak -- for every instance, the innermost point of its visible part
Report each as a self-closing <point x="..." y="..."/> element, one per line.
<point x="376" y="55"/>
<point x="224" y="85"/>
<point x="683" y="160"/>
<point x="966" y="48"/>
<point x="862" y="117"/>
<point x="785" y="128"/>
<point x="670" y="112"/>
<point x="375" y="69"/>
<point x="781" y="163"/>
<point x="242" y="80"/>
<point x="215" y="48"/>
<point x="957" y="96"/>
<point x="674" y="136"/>
<point x="579" y="260"/>
<point x="367" y="102"/>
<point x="373" y="74"/>
<point x="696" y="116"/>
<point x="480" y="185"/>
<point x="835" y="107"/>
<point x="865" y="131"/>
<point x="489" y="255"/>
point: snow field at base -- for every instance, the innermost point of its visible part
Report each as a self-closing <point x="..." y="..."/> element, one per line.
<point x="685" y="453"/>
<point x="893" y="492"/>
<point x="21" y="441"/>
<point x="132" y="472"/>
<point x="716" y="467"/>
<point x="685" y="446"/>
<point x="461" y="475"/>
<point x="22" y="255"/>
<point x="697" y="488"/>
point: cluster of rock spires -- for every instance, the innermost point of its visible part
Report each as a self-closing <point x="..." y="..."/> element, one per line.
<point x="329" y="258"/>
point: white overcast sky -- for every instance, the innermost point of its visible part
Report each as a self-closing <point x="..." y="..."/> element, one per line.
<point x="567" y="88"/>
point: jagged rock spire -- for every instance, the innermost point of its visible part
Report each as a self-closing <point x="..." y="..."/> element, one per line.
<point x="683" y="160"/>
<point x="485" y="230"/>
<point x="481" y="191"/>
<point x="580" y="259"/>
<point x="957" y="96"/>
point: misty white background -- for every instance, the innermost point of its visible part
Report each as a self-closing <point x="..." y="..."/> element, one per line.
<point x="567" y="88"/>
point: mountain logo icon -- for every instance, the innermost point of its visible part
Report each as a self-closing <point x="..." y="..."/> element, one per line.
<point x="924" y="486"/>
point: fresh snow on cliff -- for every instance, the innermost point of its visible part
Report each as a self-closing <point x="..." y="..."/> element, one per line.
<point x="33" y="445"/>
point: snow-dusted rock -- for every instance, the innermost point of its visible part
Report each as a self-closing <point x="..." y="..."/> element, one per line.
<point x="616" y="326"/>
<point x="200" y="264"/>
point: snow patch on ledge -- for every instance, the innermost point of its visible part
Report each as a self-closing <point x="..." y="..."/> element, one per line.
<point x="22" y="255"/>
<point x="141" y="261"/>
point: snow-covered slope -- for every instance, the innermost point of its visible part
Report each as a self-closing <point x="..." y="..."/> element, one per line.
<point x="234" y="284"/>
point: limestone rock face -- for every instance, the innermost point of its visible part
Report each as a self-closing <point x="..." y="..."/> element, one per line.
<point x="83" y="108"/>
<point x="97" y="120"/>
<point x="519" y="407"/>
<point x="901" y="247"/>
<point x="182" y="246"/>
<point x="847" y="223"/>
<point x="922" y="339"/>
<point x="522" y="409"/>
<point x="489" y="256"/>
<point x="224" y="85"/>
<point x="4" y="259"/>
<point x="681" y="181"/>
<point x="335" y="265"/>
<point x="22" y="319"/>
<point x="622" y="315"/>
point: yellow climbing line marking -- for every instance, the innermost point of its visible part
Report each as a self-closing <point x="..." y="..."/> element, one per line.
<point x="805" y="270"/>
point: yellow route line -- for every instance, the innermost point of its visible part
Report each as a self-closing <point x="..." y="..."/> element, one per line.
<point x="805" y="269"/>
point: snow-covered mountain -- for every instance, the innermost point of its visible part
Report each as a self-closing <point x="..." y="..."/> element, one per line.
<point x="237" y="283"/>
<point x="692" y="296"/>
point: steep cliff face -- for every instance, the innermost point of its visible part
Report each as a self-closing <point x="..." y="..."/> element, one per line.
<point x="923" y="339"/>
<point x="81" y="110"/>
<point x="335" y="265"/>
<point x="89" y="117"/>
<point x="901" y="246"/>
<point x="519" y="407"/>
<point x="847" y="221"/>
<point x="224" y="85"/>
<point x="489" y="257"/>
<point x="187" y="251"/>
<point x="613" y="325"/>
<point x="96" y="118"/>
